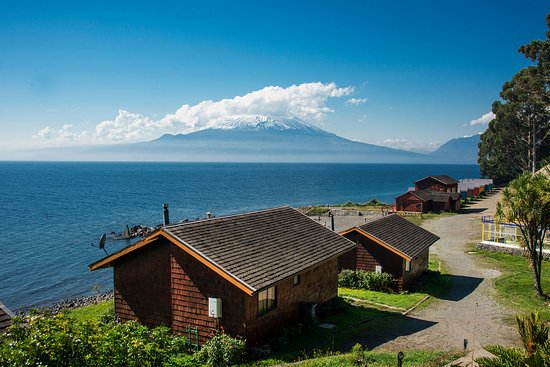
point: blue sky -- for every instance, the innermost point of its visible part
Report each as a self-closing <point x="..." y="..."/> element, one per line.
<point x="425" y="68"/>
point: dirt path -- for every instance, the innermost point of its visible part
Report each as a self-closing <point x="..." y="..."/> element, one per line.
<point x="469" y="311"/>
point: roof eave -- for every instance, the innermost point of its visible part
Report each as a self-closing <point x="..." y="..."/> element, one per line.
<point x="379" y="241"/>
<point x="109" y="260"/>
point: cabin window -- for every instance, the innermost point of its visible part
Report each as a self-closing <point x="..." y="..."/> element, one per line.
<point x="267" y="300"/>
<point x="407" y="265"/>
<point x="296" y="280"/>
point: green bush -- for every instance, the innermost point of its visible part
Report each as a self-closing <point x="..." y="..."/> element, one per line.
<point x="374" y="202"/>
<point x="360" y="279"/>
<point x="357" y="355"/>
<point x="536" y="346"/>
<point x="221" y="350"/>
<point x="61" y="340"/>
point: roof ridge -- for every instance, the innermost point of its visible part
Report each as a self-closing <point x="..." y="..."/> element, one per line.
<point x="228" y="216"/>
<point x="377" y="219"/>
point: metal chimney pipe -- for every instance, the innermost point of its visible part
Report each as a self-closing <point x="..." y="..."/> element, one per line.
<point x="208" y="215"/>
<point x="165" y="214"/>
<point x="331" y="220"/>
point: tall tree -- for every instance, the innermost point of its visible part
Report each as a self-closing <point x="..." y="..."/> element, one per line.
<point x="526" y="202"/>
<point x="518" y="138"/>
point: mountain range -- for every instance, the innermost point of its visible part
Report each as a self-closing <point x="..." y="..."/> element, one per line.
<point x="253" y="139"/>
<point x="464" y="150"/>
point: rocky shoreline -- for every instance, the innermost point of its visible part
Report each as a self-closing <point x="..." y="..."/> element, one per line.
<point x="69" y="304"/>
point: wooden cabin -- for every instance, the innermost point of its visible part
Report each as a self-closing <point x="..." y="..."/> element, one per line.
<point x="6" y="318"/>
<point x="390" y="244"/>
<point x="251" y="273"/>
<point x="427" y="201"/>
<point x="440" y="183"/>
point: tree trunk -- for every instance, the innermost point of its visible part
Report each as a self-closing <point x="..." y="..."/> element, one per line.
<point x="534" y="149"/>
<point x="535" y="266"/>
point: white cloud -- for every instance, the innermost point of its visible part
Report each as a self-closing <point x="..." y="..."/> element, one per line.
<point x="63" y="136"/>
<point x="357" y="101"/>
<point x="126" y="126"/>
<point x="411" y="145"/>
<point x="483" y="120"/>
<point x="307" y="101"/>
<point x="45" y="133"/>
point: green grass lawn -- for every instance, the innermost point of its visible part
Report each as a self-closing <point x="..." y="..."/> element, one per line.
<point x="515" y="285"/>
<point x="403" y="301"/>
<point x="433" y="283"/>
<point x="92" y="312"/>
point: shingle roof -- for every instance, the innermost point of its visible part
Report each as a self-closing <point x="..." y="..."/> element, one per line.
<point x="444" y="179"/>
<point x="437" y="196"/>
<point x="5" y="318"/>
<point x="440" y="196"/>
<point x="400" y="234"/>
<point x="259" y="248"/>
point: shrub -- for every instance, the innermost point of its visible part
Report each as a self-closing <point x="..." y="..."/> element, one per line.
<point x="360" y="279"/>
<point x="536" y="344"/>
<point x="349" y="278"/>
<point x="221" y="350"/>
<point x="61" y="340"/>
<point x="374" y="202"/>
<point x="358" y="355"/>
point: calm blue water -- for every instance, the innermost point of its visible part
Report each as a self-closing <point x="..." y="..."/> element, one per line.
<point x="52" y="213"/>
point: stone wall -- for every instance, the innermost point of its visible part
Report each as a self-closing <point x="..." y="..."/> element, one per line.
<point x="507" y="249"/>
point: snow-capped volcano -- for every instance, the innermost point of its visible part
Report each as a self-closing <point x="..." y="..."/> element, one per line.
<point x="262" y="122"/>
<point x="254" y="138"/>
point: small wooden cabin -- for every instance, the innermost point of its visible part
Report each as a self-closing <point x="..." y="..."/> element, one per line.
<point x="262" y="267"/>
<point x="390" y="244"/>
<point x="442" y="183"/>
<point x="426" y="201"/>
<point x="6" y="318"/>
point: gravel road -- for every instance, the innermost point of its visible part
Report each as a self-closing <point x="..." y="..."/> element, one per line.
<point x="469" y="311"/>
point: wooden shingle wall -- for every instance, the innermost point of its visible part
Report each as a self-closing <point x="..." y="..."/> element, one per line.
<point x="142" y="286"/>
<point x="318" y="285"/>
<point x="192" y="283"/>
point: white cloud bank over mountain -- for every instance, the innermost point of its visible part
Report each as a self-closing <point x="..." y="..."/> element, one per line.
<point x="410" y="145"/>
<point x="307" y="101"/>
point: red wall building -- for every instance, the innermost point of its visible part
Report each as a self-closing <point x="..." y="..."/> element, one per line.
<point x="247" y="261"/>
<point x="440" y="183"/>
<point x="390" y="244"/>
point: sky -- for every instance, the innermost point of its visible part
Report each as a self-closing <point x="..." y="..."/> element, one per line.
<point x="405" y="74"/>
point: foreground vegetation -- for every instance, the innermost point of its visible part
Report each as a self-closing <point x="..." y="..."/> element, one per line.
<point x="384" y="359"/>
<point x="536" y="346"/>
<point x="89" y="337"/>
<point x="526" y="202"/>
<point x="60" y="340"/>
